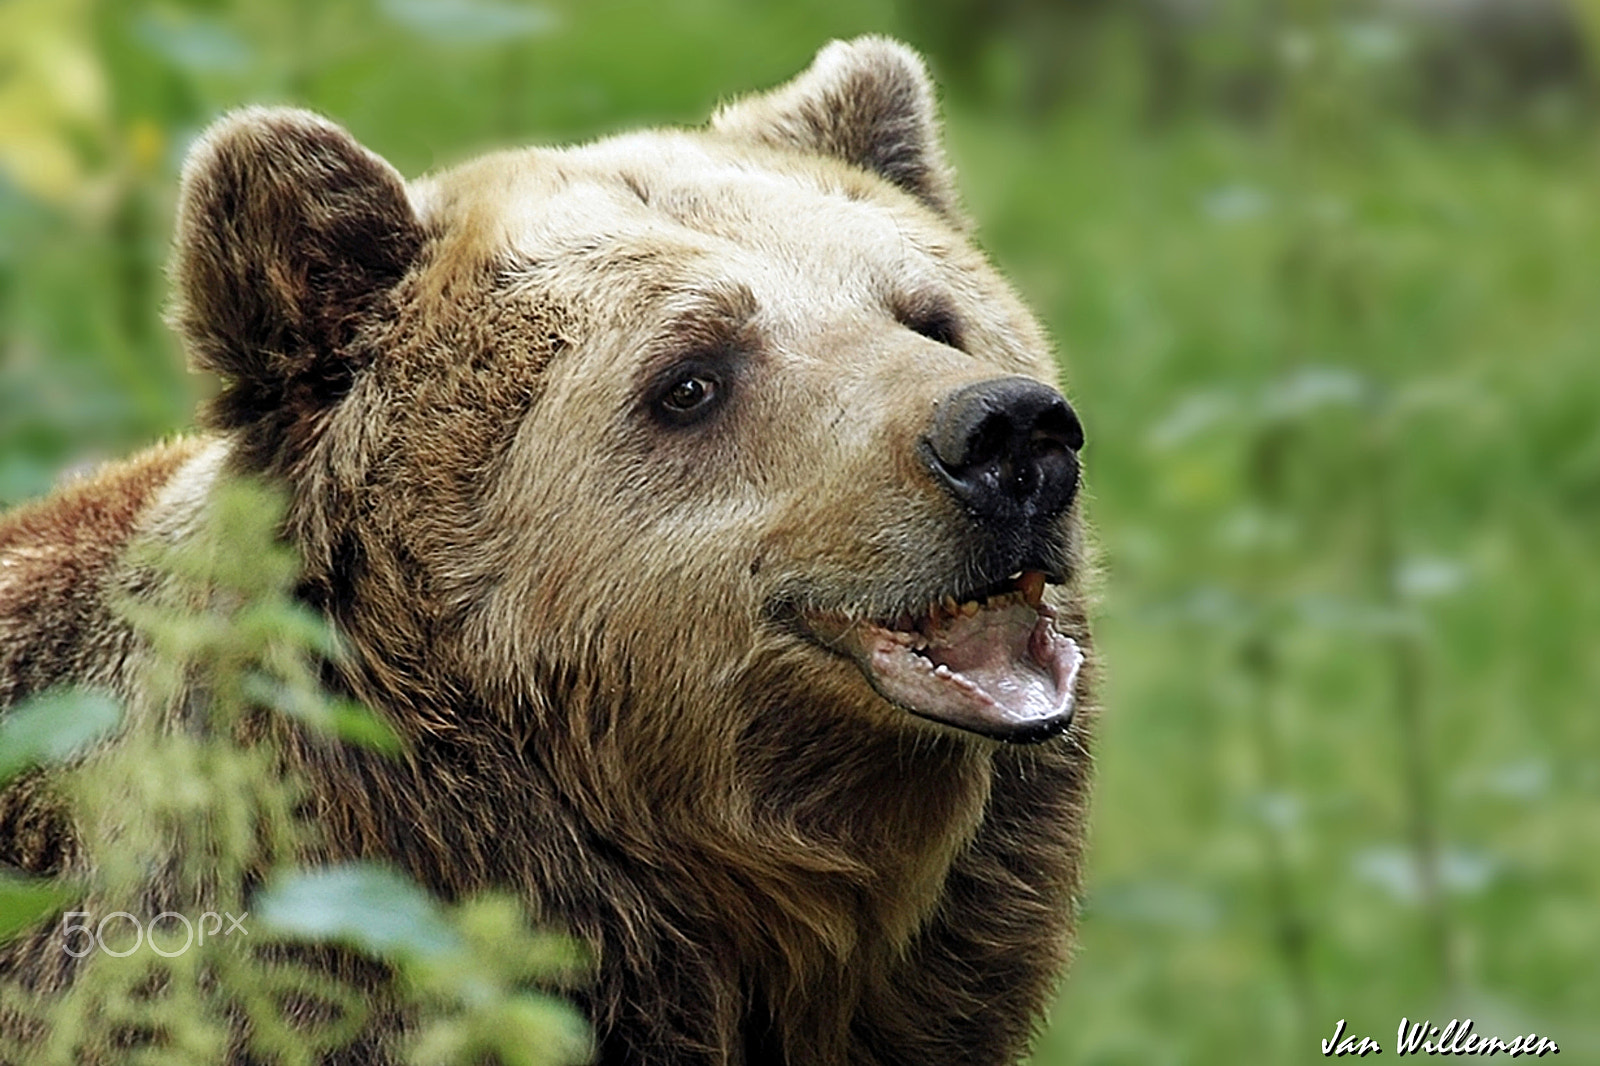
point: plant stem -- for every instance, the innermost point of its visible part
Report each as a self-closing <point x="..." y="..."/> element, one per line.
<point x="1409" y="701"/>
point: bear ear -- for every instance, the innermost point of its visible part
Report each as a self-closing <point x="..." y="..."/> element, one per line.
<point x="869" y="102"/>
<point x="289" y="233"/>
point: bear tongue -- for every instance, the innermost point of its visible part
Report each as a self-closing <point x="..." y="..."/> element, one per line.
<point x="1004" y="672"/>
<point x="990" y="643"/>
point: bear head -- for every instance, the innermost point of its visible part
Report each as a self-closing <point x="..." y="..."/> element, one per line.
<point x="704" y="463"/>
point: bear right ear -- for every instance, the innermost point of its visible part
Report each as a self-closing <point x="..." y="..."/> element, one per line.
<point x="289" y="233"/>
<point x="868" y="102"/>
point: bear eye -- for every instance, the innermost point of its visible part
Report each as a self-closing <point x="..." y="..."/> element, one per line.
<point x="932" y="317"/>
<point x="689" y="398"/>
<point x="941" y="329"/>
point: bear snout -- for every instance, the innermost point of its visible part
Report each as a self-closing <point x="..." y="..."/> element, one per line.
<point x="1007" y="450"/>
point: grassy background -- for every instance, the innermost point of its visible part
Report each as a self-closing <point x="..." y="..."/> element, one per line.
<point x="1331" y="320"/>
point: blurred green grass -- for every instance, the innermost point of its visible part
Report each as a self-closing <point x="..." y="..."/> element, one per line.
<point x="1337" y="357"/>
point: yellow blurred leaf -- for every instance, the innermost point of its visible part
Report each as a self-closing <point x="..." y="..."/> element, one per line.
<point x="52" y="98"/>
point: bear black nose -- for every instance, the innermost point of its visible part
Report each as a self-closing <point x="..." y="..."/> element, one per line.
<point x="1007" y="449"/>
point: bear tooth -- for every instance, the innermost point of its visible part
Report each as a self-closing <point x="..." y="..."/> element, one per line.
<point x="942" y="670"/>
<point x="970" y="608"/>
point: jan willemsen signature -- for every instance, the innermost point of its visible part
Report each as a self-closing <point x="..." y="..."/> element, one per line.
<point x="1455" y="1037"/>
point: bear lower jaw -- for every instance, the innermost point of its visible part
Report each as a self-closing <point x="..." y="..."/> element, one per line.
<point x="997" y="668"/>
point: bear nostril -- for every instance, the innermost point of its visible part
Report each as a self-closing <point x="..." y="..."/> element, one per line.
<point x="1059" y="424"/>
<point x="988" y="444"/>
<point x="1006" y="449"/>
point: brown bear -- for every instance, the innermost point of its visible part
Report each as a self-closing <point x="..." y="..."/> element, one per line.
<point x="699" y="507"/>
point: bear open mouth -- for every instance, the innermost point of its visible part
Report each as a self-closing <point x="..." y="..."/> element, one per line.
<point x="992" y="664"/>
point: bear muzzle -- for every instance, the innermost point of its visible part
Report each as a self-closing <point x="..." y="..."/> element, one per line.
<point x="989" y="659"/>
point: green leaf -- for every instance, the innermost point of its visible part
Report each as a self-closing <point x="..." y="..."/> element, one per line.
<point x="367" y="906"/>
<point x="361" y="725"/>
<point x="291" y="622"/>
<point x="194" y="44"/>
<point x="53" y="727"/>
<point x="24" y="901"/>
<point x="470" y="22"/>
<point x="1311" y="390"/>
<point x="349" y="721"/>
<point x="537" y="1030"/>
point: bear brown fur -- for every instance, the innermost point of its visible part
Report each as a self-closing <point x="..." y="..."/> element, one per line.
<point x="619" y="467"/>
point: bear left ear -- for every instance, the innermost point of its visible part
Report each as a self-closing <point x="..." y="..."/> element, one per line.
<point x="869" y="102"/>
<point x="289" y="234"/>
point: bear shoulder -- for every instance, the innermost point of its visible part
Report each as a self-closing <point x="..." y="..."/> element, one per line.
<point x="57" y="556"/>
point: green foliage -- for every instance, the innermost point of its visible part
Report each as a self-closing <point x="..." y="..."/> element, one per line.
<point x="52" y="728"/>
<point x="25" y="901"/>
<point x="1338" y="369"/>
<point x="470" y="968"/>
<point x="1330" y="372"/>
<point x="194" y="801"/>
<point x="45" y="730"/>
